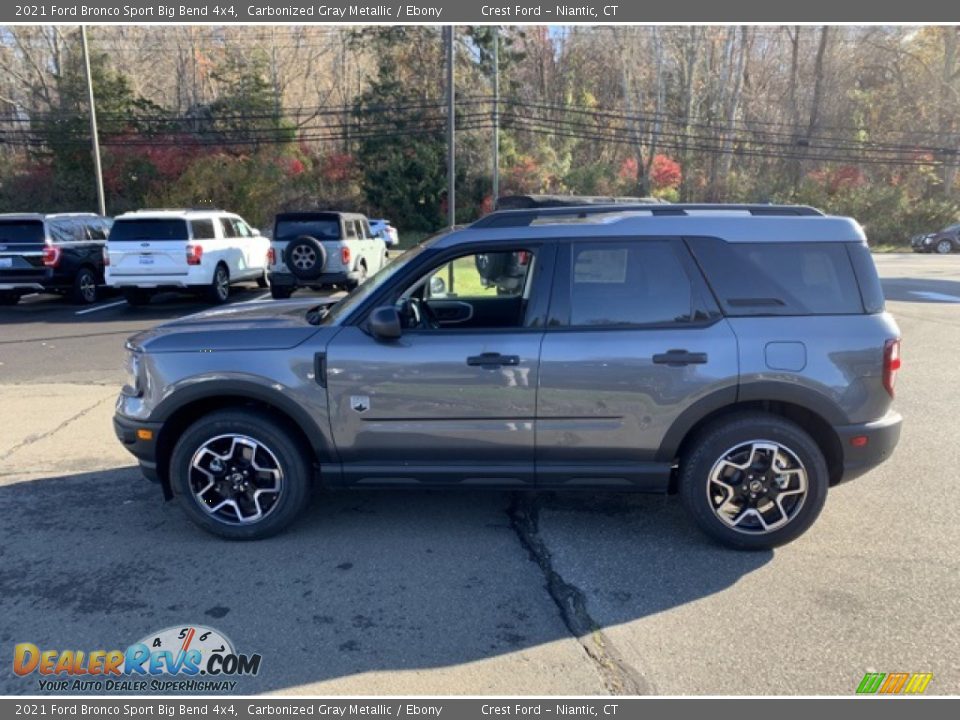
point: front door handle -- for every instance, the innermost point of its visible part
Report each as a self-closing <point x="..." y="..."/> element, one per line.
<point x="491" y="360"/>
<point x="679" y="358"/>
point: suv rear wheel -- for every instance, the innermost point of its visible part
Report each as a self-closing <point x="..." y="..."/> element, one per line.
<point x="240" y="474"/>
<point x="219" y="290"/>
<point x="84" y="291"/>
<point x="754" y="481"/>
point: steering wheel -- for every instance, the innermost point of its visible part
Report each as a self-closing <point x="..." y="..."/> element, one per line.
<point x="416" y="314"/>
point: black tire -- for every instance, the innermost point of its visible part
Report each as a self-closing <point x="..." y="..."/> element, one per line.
<point x="281" y="292"/>
<point x="137" y="297"/>
<point x="84" y="290"/>
<point x="9" y="297"/>
<point x="361" y="279"/>
<point x="305" y="257"/>
<point x="291" y="458"/>
<point x="944" y="247"/>
<point x="715" y="442"/>
<point x="492" y="266"/>
<point x="262" y="281"/>
<point x="218" y="292"/>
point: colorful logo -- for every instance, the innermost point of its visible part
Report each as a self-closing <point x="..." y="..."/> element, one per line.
<point x="181" y="653"/>
<point x="894" y="683"/>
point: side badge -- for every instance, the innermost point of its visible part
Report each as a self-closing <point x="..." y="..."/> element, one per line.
<point x="360" y="403"/>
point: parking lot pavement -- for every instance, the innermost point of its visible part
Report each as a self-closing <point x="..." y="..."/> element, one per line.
<point x="424" y="592"/>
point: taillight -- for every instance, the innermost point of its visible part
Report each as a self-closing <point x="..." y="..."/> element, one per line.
<point x="271" y="257"/>
<point x="345" y="255"/>
<point x="194" y="254"/>
<point x="891" y="364"/>
<point x="51" y="255"/>
<point x="523" y="257"/>
<point x="106" y="257"/>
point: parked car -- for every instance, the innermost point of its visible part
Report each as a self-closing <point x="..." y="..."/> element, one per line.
<point x="918" y="242"/>
<point x="740" y="356"/>
<point x="944" y="242"/>
<point x="385" y="231"/>
<point x="60" y="253"/>
<point x="203" y="251"/>
<point x="322" y="249"/>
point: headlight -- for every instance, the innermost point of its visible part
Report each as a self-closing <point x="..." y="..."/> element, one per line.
<point x="928" y="239"/>
<point x="133" y="385"/>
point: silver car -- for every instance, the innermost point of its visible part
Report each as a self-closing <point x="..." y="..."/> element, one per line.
<point x="738" y="356"/>
<point x="322" y="249"/>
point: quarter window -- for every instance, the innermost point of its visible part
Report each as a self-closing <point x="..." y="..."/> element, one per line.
<point x="202" y="229"/>
<point x="628" y="284"/>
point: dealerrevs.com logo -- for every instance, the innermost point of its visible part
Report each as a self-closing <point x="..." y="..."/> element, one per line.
<point x="193" y="658"/>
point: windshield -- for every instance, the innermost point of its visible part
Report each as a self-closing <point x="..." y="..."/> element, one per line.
<point x="323" y="227"/>
<point x="148" y="230"/>
<point x="21" y="231"/>
<point x="343" y="307"/>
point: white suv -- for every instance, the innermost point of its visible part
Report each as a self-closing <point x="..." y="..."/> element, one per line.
<point x="199" y="250"/>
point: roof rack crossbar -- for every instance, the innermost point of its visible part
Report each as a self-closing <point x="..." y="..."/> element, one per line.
<point x="523" y="218"/>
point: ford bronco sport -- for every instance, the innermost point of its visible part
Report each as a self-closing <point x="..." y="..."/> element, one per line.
<point x="739" y="356"/>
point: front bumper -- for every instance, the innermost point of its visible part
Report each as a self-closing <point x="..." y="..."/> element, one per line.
<point x="881" y="436"/>
<point x="144" y="450"/>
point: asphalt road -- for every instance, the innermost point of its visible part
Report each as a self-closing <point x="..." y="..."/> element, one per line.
<point x="424" y="592"/>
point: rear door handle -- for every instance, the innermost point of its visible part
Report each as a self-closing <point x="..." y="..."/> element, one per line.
<point x="492" y="360"/>
<point x="678" y="358"/>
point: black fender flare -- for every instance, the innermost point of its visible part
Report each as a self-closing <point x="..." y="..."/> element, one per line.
<point x="758" y="391"/>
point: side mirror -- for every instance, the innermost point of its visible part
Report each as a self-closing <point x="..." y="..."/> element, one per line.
<point x="437" y="286"/>
<point x="385" y="323"/>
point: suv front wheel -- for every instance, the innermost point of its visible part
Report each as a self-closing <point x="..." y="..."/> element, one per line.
<point x="754" y="481"/>
<point x="239" y="474"/>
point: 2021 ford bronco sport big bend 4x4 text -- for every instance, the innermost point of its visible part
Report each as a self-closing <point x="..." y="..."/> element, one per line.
<point x="738" y="355"/>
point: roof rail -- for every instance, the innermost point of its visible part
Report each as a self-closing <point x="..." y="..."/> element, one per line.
<point x="523" y="218"/>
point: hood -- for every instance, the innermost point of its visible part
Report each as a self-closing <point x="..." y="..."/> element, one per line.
<point x="267" y="325"/>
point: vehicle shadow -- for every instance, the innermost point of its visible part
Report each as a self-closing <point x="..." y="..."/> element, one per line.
<point x="368" y="582"/>
<point x="112" y="308"/>
<point x="921" y="290"/>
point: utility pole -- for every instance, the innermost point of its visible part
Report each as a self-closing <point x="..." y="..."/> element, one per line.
<point x="93" y="123"/>
<point x="496" y="115"/>
<point x="451" y="129"/>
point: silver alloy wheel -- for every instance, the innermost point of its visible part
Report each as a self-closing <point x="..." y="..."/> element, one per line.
<point x="88" y="287"/>
<point x="944" y="247"/>
<point x="303" y="257"/>
<point x="222" y="281"/>
<point x="236" y="479"/>
<point x="757" y="487"/>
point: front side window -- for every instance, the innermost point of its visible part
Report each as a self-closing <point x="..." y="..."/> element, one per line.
<point x="484" y="275"/>
<point x="631" y="283"/>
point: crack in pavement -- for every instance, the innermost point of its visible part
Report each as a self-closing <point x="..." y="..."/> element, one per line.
<point x="619" y="677"/>
<point x="31" y="439"/>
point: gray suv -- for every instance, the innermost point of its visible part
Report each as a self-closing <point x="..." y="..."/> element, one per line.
<point x="739" y="356"/>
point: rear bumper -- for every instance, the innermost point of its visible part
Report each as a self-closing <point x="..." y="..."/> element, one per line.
<point x="285" y="279"/>
<point x="145" y="451"/>
<point x="881" y="436"/>
<point x="192" y="278"/>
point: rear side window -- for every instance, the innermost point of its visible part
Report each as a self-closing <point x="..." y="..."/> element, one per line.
<point x="226" y="227"/>
<point x="21" y="231"/>
<point x="628" y="284"/>
<point x="202" y="229"/>
<point x="779" y="278"/>
<point x="96" y="229"/>
<point x="145" y="229"/>
<point x="67" y="231"/>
